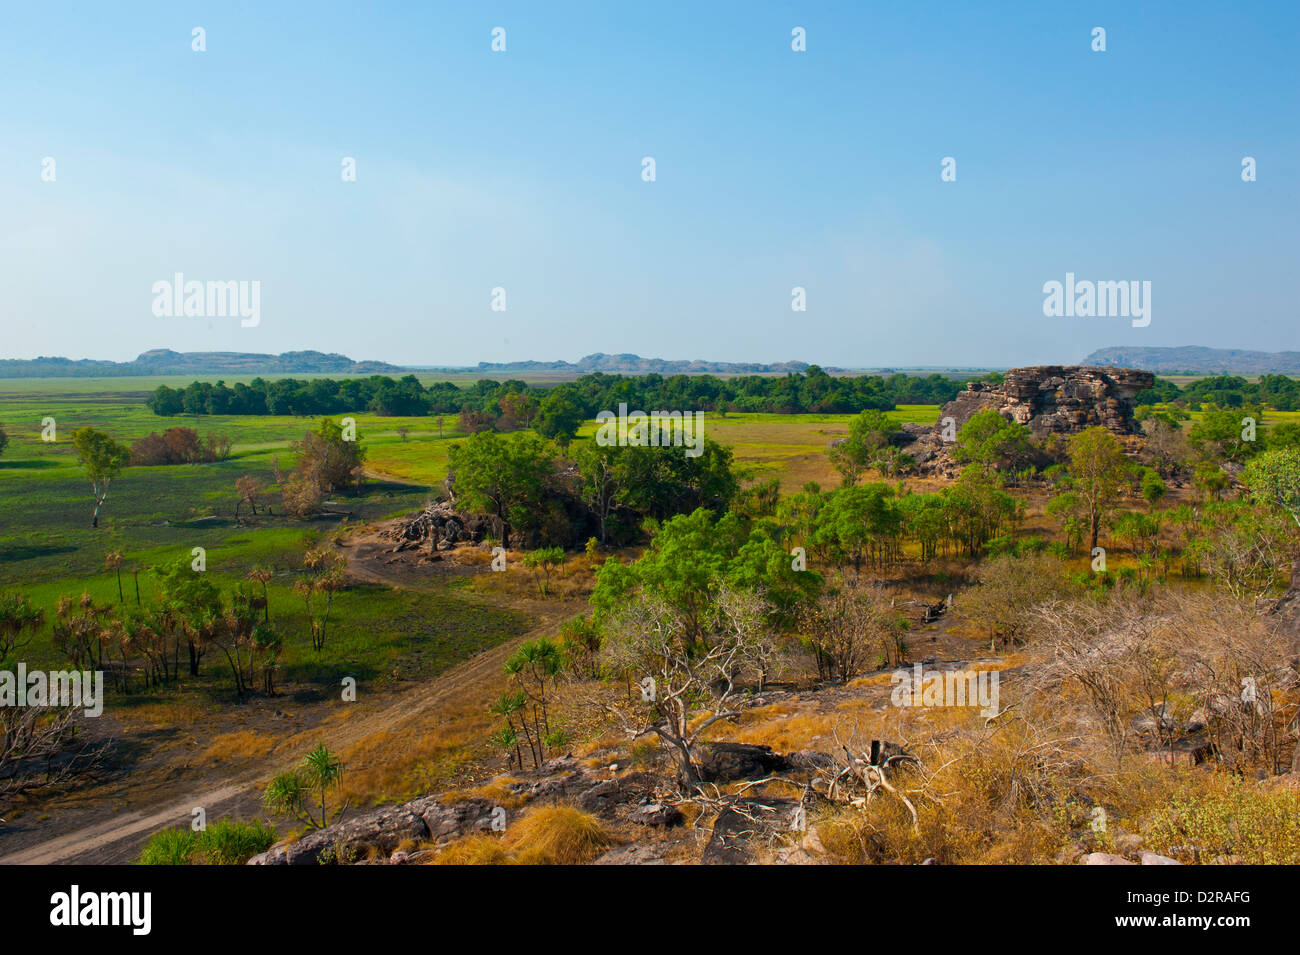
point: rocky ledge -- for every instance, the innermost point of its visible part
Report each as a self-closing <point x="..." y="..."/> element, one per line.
<point x="1048" y="399"/>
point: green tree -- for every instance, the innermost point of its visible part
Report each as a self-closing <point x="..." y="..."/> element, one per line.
<point x="542" y="561"/>
<point x="296" y="791"/>
<point x="978" y="509"/>
<point x="189" y="604"/>
<point x="1224" y="434"/>
<point x="994" y="442"/>
<point x="103" y="459"/>
<point x="1098" y="472"/>
<point x="860" y="522"/>
<point x="1154" y="488"/>
<point x="559" y="415"/>
<point x="601" y="481"/>
<point x="506" y="477"/>
<point x="535" y="667"/>
<point x="1274" y="479"/>
<point x="694" y="557"/>
<point x="869" y="434"/>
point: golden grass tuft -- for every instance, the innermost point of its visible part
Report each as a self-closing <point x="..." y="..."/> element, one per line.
<point x="551" y="835"/>
<point x="557" y="835"/>
<point x="473" y="850"/>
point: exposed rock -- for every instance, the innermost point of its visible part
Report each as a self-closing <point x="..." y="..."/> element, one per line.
<point x="1048" y="399"/>
<point x="605" y="798"/>
<point x="655" y="814"/>
<point x="1105" y="858"/>
<point x="440" y="525"/>
<point x="727" y="762"/>
<point x="730" y="842"/>
<point x="633" y="854"/>
<point x="1150" y="858"/>
<point x="384" y="829"/>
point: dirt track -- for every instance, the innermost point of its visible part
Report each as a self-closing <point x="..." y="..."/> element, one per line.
<point x="117" y="839"/>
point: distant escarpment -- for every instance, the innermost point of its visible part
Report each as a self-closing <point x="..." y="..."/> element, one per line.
<point x="163" y="361"/>
<point x="628" y="364"/>
<point x="1048" y="399"/>
<point x="1198" y="360"/>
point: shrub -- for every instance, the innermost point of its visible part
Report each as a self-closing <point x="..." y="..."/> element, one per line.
<point x="1262" y="828"/>
<point x="226" y="842"/>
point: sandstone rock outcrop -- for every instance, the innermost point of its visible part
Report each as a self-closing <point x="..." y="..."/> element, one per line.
<point x="1048" y="399"/>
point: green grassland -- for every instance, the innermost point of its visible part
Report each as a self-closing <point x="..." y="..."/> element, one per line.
<point x="157" y="515"/>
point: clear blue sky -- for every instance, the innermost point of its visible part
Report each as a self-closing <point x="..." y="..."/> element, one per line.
<point x="775" y="169"/>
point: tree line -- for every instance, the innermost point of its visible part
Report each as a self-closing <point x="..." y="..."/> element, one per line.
<point x="813" y="391"/>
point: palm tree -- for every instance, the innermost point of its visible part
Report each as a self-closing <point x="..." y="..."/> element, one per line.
<point x="290" y="791"/>
<point x="113" y="559"/>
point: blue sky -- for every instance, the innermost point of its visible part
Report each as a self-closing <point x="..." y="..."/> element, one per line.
<point x="775" y="169"/>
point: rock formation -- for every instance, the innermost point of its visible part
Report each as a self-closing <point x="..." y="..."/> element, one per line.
<point x="1048" y="399"/>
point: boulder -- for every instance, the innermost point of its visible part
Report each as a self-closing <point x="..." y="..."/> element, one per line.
<point x="383" y="829"/>
<point x="1150" y="858"/>
<point x="658" y="815"/>
<point x="728" y="762"/>
<point x="1104" y="858"/>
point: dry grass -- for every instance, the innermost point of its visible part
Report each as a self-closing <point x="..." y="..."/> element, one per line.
<point x="550" y="835"/>
<point x="473" y="850"/>
<point x="239" y="745"/>
<point x="498" y="792"/>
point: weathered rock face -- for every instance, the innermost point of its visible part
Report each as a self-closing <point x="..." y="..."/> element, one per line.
<point x="440" y="525"/>
<point x="1047" y="399"/>
<point x="1056" y="399"/>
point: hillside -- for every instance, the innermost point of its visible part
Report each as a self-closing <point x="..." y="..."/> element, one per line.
<point x="163" y="361"/>
<point x="635" y="364"/>
<point x="1196" y="359"/>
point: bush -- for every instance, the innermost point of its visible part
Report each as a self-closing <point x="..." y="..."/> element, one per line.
<point x="179" y="446"/>
<point x="1262" y="828"/>
<point x="223" y="843"/>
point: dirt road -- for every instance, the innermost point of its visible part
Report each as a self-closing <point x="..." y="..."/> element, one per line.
<point x="118" y="839"/>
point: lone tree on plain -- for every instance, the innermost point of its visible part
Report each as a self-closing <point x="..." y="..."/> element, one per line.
<point x="1098" y="472"/>
<point x="103" y="459"/>
<point x="249" y="489"/>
